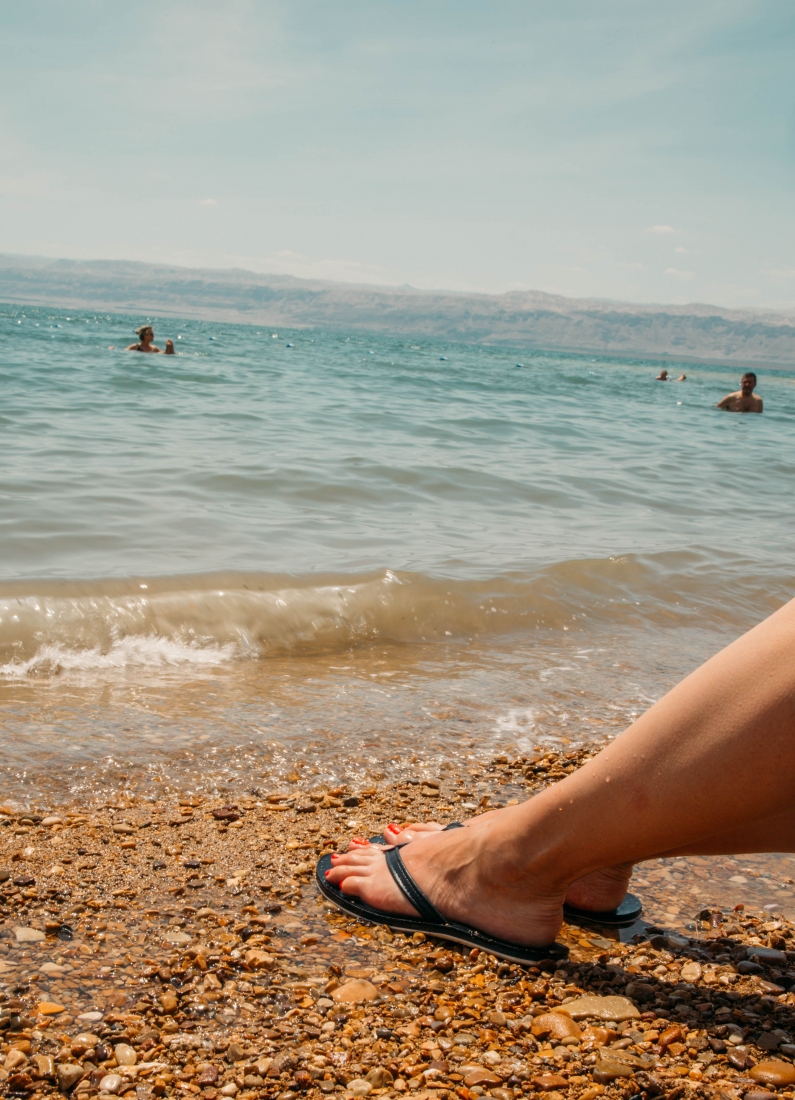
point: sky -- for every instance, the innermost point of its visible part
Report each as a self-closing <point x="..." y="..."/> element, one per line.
<point x="625" y="149"/>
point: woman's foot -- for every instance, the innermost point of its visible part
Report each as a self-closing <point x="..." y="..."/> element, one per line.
<point x="478" y="879"/>
<point x="599" y="892"/>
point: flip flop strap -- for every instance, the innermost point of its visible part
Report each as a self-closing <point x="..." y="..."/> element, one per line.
<point x="410" y="889"/>
<point x="452" y="825"/>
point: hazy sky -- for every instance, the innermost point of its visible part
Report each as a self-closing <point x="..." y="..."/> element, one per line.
<point x="611" y="148"/>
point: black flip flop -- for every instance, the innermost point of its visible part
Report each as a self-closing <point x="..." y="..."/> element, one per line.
<point x="430" y="921"/>
<point x="622" y="916"/>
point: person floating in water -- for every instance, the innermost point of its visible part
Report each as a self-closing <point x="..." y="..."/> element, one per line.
<point x="682" y="378"/>
<point x="662" y="376"/>
<point x="743" y="400"/>
<point x="146" y="335"/>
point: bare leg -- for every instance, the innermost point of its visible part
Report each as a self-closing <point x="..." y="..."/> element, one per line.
<point x="714" y="755"/>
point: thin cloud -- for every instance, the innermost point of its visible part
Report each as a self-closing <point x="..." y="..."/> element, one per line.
<point x="681" y="250"/>
<point x="208" y="202"/>
<point x="780" y="272"/>
<point x="685" y="276"/>
<point x="662" y="230"/>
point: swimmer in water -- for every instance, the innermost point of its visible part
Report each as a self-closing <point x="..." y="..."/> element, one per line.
<point x="146" y="335"/>
<point x="662" y="376"/>
<point x="682" y="378"/>
<point x="743" y="400"/>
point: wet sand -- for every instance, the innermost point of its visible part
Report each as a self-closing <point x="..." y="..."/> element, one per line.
<point x="181" y="948"/>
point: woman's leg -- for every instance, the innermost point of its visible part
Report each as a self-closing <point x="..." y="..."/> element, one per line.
<point x="715" y="755"/>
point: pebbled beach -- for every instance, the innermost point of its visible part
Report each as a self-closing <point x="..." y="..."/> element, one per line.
<point x="180" y="948"/>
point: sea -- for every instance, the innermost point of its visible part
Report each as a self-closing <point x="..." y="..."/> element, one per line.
<point x="284" y="555"/>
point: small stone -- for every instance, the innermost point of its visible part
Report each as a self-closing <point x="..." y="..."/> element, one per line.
<point x="230" y="1089"/>
<point x="123" y="829"/>
<point x="260" y="960"/>
<point x="770" y="987"/>
<point x="176" y="937"/>
<point x="444" y="1012"/>
<point x="773" y="1073"/>
<point x="68" y="1076"/>
<point x="125" y="1055"/>
<point x="691" y="972"/>
<point x="501" y="1094"/>
<point x="546" y="1082"/>
<point x="602" y="1008"/>
<point x="45" y="1066"/>
<point x="54" y="969"/>
<point x="49" y="1008"/>
<point x="768" y="1041"/>
<point x="90" y="1017"/>
<point x="609" y="1069"/>
<point x="29" y="935"/>
<point x="359" y="1087"/>
<point x="670" y="1035"/>
<point x="556" y="1025"/>
<point x="352" y="992"/>
<point x="380" y="1078"/>
<point x="284" y="1061"/>
<point x="481" y="1076"/>
<point x="767" y="954"/>
<point x="111" y="1082"/>
<point x="14" y="1059"/>
<point x="169" y="1003"/>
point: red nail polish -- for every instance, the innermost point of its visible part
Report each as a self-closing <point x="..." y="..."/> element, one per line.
<point x="328" y="873"/>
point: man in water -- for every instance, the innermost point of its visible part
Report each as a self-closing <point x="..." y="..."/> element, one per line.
<point x="146" y="335"/>
<point x="743" y="400"/>
<point x="662" y="376"/>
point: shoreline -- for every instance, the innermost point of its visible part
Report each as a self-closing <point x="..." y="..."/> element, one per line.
<point x="170" y="949"/>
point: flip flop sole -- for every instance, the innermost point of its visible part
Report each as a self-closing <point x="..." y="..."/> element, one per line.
<point x="630" y="909"/>
<point x="625" y="914"/>
<point x="450" y="930"/>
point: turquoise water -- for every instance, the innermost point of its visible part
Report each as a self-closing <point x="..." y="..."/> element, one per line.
<point x="272" y="505"/>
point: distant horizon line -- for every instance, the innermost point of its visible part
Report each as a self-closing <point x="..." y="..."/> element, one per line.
<point x="783" y="311"/>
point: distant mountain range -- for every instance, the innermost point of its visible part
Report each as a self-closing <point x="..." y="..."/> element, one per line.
<point x="525" y="319"/>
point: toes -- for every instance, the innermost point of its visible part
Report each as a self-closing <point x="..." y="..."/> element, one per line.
<point x="404" y="834"/>
<point x="358" y="842"/>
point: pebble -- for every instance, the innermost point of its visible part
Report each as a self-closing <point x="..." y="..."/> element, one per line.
<point x="481" y="1076"/>
<point x="357" y="990"/>
<point x="111" y="1082"/>
<point x="602" y="1008"/>
<point x="125" y="1055"/>
<point x="68" y="1075"/>
<point x="547" y="1082"/>
<point x="14" y="1059"/>
<point x="29" y="935"/>
<point x="177" y="937"/>
<point x="773" y="1073"/>
<point x="691" y="972"/>
<point x="556" y="1025"/>
<point x="359" y="1087"/>
<point x="49" y="1008"/>
<point x="608" y="1069"/>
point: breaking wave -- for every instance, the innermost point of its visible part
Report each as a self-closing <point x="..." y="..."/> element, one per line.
<point x="49" y="627"/>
